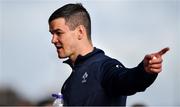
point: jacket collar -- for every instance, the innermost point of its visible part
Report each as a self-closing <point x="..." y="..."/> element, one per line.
<point x="81" y="59"/>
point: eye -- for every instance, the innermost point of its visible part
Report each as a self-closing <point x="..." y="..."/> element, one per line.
<point x="59" y="33"/>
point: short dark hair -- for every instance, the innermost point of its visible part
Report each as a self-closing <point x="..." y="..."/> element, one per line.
<point x="74" y="15"/>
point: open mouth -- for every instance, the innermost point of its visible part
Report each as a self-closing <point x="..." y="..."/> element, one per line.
<point x="58" y="46"/>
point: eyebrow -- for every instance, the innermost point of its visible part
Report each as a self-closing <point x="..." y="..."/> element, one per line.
<point x="56" y="30"/>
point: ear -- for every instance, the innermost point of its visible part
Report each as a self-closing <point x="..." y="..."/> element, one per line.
<point x="81" y="31"/>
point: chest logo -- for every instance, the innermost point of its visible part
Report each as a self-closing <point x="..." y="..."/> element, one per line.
<point x="84" y="77"/>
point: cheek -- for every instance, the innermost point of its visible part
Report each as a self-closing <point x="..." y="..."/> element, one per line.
<point x="72" y="46"/>
<point x="69" y="41"/>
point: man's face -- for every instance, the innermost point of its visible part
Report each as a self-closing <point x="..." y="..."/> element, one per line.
<point x="63" y="38"/>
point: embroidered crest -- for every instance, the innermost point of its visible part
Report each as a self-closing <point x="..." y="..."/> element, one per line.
<point x="84" y="77"/>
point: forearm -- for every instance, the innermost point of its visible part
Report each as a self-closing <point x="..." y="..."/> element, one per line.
<point x="126" y="81"/>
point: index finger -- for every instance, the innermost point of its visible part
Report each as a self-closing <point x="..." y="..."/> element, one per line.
<point x="163" y="51"/>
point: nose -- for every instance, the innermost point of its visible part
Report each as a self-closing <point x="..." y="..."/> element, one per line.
<point x="54" y="39"/>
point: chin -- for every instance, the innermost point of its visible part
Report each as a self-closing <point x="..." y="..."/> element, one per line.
<point x="61" y="57"/>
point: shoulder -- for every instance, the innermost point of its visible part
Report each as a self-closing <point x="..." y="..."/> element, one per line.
<point x="110" y="63"/>
<point x="103" y="62"/>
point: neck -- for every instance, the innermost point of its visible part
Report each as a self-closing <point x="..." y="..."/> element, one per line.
<point x="83" y="50"/>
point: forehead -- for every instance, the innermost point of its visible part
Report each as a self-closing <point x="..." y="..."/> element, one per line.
<point x="58" y="23"/>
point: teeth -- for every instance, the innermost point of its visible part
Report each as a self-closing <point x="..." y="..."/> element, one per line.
<point x="58" y="46"/>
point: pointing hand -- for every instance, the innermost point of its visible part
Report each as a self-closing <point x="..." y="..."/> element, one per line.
<point x="153" y="62"/>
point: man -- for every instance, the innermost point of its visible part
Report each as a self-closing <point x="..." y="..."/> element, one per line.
<point x="96" y="79"/>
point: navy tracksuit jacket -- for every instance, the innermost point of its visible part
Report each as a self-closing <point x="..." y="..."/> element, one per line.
<point x="99" y="80"/>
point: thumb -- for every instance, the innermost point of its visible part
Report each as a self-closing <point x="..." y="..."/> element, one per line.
<point x="149" y="56"/>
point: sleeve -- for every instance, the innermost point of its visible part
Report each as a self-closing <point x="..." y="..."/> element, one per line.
<point x="119" y="80"/>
